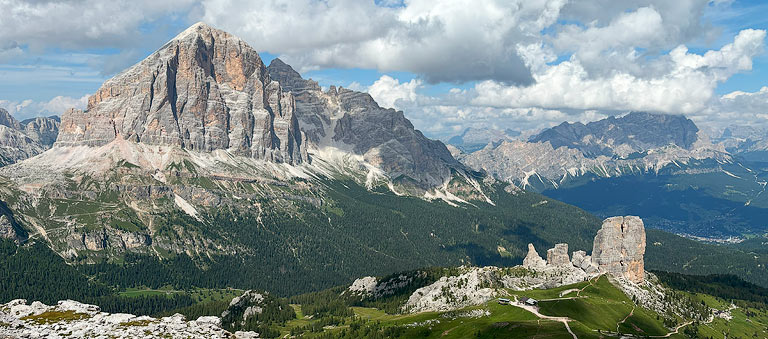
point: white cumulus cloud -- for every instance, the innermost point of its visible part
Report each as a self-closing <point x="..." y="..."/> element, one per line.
<point x="29" y="108"/>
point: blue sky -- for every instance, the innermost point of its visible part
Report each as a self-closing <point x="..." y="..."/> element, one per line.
<point x="446" y="68"/>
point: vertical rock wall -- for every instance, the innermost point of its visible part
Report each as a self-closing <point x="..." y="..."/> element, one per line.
<point x="619" y="247"/>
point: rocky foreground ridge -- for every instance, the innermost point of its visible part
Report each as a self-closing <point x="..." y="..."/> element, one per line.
<point x="71" y="319"/>
<point x="618" y="251"/>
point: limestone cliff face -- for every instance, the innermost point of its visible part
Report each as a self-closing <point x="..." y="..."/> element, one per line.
<point x="204" y="90"/>
<point x="43" y="130"/>
<point x="532" y="259"/>
<point x="22" y="140"/>
<point x="354" y="122"/>
<point x="619" y="247"/>
<point x="558" y="255"/>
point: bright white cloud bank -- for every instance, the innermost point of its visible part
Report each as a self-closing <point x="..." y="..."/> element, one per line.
<point x="536" y="62"/>
<point x="30" y="108"/>
<point x="529" y="63"/>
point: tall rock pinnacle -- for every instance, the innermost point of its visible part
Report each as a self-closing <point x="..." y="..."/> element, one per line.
<point x="204" y="90"/>
<point x="619" y="247"/>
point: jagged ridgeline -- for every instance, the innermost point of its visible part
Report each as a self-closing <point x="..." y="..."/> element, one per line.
<point x="201" y="166"/>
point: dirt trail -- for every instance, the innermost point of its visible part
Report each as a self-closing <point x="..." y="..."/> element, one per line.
<point x="535" y="311"/>
<point x="677" y="328"/>
<point x="625" y="319"/>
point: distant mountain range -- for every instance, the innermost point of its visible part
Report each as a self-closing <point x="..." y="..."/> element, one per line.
<point x="25" y="139"/>
<point x="473" y="139"/>
<point x="659" y="166"/>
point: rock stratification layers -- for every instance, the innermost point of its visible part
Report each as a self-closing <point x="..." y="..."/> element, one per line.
<point x="619" y="247"/>
<point x="204" y="90"/>
<point x="558" y="255"/>
<point x="353" y="122"/>
<point x="22" y="140"/>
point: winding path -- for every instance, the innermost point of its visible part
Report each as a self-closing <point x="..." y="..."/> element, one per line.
<point x="535" y="311"/>
<point x="677" y="328"/>
<point x="625" y="319"/>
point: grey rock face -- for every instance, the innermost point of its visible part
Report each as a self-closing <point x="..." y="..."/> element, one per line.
<point x="558" y="255"/>
<point x="619" y="248"/>
<point x="204" y="90"/>
<point x="19" y="140"/>
<point x="107" y="239"/>
<point x="8" y="229"/>
<point x="610" y="147"/>
<point x="532" y="259"/>
<point x="16" y="146"/>
<point x="6" y="119"/>
<point x="638" y="130"/>
<point x="43" y="130"/>
<point x="578" y="258"/>
<point x="353" y="121"/>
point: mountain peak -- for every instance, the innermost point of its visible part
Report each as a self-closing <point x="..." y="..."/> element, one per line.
<point x="6" y="119"/>
<point x="204" y="90"/>
<point x="288" y="78"/>
<point x="197" y="29"/>
<point x="638" y="131"/>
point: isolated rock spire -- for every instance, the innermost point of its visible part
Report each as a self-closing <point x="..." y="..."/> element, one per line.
<point x="533" y="260"/>
<point x="619" y="247"/>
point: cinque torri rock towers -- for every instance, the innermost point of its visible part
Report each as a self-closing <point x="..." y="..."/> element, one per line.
<point x="618" y="250"/>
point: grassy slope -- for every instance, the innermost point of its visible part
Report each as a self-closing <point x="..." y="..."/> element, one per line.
<point x="603" y="306"/>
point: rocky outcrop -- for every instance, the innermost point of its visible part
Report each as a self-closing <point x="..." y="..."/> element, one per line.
<point x="252" y="309"/>
<point x="619" y="248"/>
<point x="7" y="231"/>
<point x="71" y="319"/>
<point x="9" y="228"/>
<point x="532" y="259"/>
<point x="454" y="292"/>
<point x="16" y="146"/>
<point x="204" y="90"/>
<point x="558" y="255"/>
<point x="7" y="120"/>
<point x="353" y="122"/>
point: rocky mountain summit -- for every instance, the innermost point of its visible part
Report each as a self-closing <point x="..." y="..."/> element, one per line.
<point x="71" y="319"/>
<point x="341" y="119"/>
<point x="634" y="132"/>
<point x="204" y="90"/>
<point x="25" y="139"/>
<point x="634" y="144"/>
<point x="173" y="151"/>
